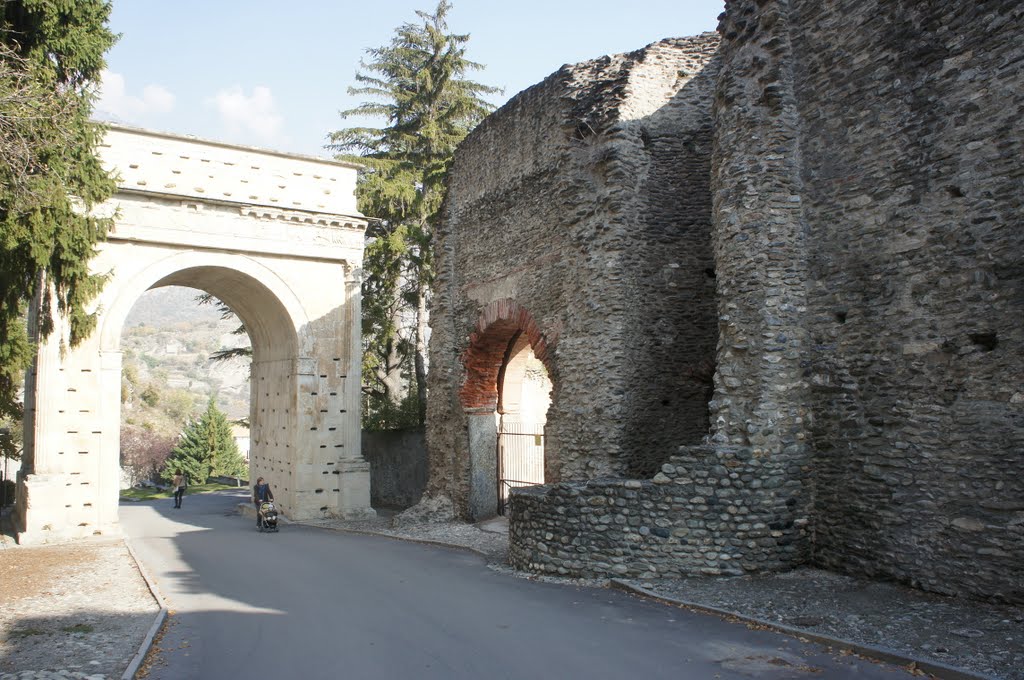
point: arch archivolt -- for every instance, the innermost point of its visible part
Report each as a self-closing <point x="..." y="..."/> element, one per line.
<point x="505" y="341"/>
<point x="499" y="325"/>
<point x="264" y="302"/>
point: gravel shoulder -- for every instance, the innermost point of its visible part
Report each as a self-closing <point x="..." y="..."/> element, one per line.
<point x="984" y="639"/>
<point x="76" y="610"/>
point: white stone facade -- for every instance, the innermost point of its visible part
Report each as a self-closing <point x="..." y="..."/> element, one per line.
<point x="279" y="239"/>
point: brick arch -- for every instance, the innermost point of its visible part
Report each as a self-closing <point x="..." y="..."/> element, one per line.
<point x="500" y="322"/>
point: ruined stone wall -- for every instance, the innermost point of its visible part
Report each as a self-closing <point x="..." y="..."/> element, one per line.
<point x="570" y="203"/>
<point x="900" y="145"/>
<point x="667" y="266"/>
<point x="762" y="398"/>
<point x="710" y="511"/>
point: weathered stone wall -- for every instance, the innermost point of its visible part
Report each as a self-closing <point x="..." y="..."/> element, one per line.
<point x="761" y="399"/>
<point x="398" y="466"/>
<point x="570" y="206"/>
<point x="872" y="152"/>
<point x="710" y="511"/>
<point x="868" y="406"/>
<point x="912" y="154"/>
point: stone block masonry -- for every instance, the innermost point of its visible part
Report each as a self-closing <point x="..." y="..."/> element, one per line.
<point x="260" y="230"/>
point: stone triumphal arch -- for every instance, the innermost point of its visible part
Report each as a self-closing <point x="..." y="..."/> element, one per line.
<point x="278" y="238"/>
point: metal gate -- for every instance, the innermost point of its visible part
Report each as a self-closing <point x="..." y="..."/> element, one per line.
<point x="520" y="457"/>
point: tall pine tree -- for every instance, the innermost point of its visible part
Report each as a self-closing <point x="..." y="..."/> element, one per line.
<point x="52" y="52"/>
<point x="206" y="449"/>
<point x="418" y="85"/>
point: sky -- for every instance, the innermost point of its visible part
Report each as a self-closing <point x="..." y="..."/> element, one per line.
<point x="275" y="74"/>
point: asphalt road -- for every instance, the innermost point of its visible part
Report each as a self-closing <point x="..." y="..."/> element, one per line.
<point x="311" y="603"/>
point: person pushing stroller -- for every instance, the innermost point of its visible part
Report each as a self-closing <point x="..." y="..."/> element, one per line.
<point x="261" y="493"/>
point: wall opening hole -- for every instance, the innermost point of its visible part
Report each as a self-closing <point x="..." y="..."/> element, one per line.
<point x="986" y="341"/>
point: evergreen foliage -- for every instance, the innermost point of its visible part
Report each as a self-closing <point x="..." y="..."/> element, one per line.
<point x="418" y="85"/>
<point x="226" y="313"/>
<point x="206" y="449"/>
<point x="51" y="51"/>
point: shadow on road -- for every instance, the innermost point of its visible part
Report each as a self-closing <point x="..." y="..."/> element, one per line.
<point x="312" y="603"/>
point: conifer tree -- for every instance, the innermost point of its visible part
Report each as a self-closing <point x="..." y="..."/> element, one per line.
<point x="418" y="85"/>
<point x="50" y="178"/>
<point x="206" y="449"/>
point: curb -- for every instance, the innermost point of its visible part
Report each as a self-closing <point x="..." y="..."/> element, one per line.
<point x="928" y="666"/>
<point x="161" y="616"/>
<point x="407" y="539"/>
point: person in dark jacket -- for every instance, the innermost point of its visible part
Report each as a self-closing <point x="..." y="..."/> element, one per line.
<point x="261" y="493"/>
<point x="179" y="488"/>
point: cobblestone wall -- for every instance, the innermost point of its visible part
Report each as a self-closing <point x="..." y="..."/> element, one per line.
<point x="868" y="405"/>
<point x="912" y="151"/>
<point x="584" y="206"/>
<point x="711" y="511"/>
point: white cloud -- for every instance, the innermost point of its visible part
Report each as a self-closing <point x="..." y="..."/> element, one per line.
<point x="114" y="98"/>
<point x="253" y="114"/>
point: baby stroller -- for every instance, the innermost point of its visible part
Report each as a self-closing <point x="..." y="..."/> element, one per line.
<point x="268" y="516"/>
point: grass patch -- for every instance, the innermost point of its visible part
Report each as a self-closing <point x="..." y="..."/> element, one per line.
<point x="154" y="494"/>
<point x="78" y="628"/>
<point x="27" y="632"/>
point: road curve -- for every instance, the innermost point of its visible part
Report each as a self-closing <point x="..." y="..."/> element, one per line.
<point x="310" y="603"/>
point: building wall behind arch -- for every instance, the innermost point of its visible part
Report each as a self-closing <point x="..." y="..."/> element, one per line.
<point x="570" y="202"/>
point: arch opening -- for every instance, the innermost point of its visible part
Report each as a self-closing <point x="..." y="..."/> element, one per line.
<point x="270" y="328"/>
<point x="269" y="322"/>
<point x="524" y="397"/>
<point x="177" y="354"/>
<point x="507" y="394"/>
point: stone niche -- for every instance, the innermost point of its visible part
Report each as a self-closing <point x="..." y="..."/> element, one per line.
<point x="579" y="218"/>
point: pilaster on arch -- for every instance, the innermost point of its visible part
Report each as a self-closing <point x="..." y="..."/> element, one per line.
<point x="499" y="322"/>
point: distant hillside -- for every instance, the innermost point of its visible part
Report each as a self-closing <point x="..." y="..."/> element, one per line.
<point x="167" y="341"/>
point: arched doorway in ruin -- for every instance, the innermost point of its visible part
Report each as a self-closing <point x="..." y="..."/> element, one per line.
<point x="507" y="394"/>
<point x="524" y="396"/>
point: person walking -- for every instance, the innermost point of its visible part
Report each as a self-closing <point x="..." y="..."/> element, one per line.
<point x="261" y="493"/>
<point x="179" y="488"/>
